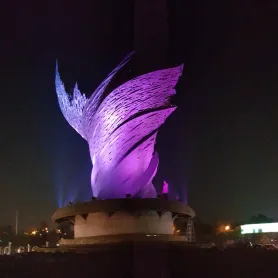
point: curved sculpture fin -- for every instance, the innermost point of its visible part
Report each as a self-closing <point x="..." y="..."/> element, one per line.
<point x="96" y="98"/>
<point x="151" y="91"/>
<point x="71" y="106"/>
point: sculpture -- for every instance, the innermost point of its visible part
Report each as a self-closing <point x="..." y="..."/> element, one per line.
<point x="121" y="129"/>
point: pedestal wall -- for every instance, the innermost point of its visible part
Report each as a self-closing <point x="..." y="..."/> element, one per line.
<point x="120" y="222"/>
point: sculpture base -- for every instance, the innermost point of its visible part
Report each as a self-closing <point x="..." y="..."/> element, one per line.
<point x="123" y="222"/>
<point x="116" y="219"/>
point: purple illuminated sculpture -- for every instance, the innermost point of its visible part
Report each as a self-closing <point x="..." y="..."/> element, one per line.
<point x="121" y="128"/>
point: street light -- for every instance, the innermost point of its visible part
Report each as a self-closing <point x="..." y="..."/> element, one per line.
<point x="227" y="228"/>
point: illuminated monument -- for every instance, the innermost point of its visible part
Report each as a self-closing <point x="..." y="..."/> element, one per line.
<point x="121" y="128"/>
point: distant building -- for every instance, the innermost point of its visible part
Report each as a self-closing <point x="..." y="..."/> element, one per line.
<point x="261" y="233"/>
<point x="259" y="228"/>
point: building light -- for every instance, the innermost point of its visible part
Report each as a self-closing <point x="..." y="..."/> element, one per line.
<point x="259" y="228"/>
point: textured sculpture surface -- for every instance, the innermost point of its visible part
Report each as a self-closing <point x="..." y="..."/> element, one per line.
<point x="121" y="129"/>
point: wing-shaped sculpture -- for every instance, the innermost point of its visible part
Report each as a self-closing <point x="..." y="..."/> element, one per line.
<point x="71" y="106"/>
<point x="121" y="129"/>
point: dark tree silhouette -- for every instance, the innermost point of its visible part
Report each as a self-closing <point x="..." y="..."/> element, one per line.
<point x="260" y="218"/>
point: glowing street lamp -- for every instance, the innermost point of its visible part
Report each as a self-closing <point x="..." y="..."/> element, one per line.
<point x="224" y="229"/>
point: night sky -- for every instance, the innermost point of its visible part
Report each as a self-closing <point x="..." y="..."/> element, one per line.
<point x="220" y="147"/>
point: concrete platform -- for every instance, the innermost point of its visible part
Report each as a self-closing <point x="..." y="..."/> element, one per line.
<point x="122" y="218"/>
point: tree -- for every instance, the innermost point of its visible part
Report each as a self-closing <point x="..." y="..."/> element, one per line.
<point x="260" y="218"/>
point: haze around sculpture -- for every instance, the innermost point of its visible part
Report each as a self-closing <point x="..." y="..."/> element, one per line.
<point x="121" y="129"/>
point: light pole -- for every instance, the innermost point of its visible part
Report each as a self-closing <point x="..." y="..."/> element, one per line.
<point x="16" y="222"/>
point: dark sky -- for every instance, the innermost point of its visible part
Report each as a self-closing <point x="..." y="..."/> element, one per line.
<point x="220" y="147"/>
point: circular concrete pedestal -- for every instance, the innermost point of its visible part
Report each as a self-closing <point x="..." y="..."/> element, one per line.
<point x="136" y="219"/>
<point x="123" y="222"/>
